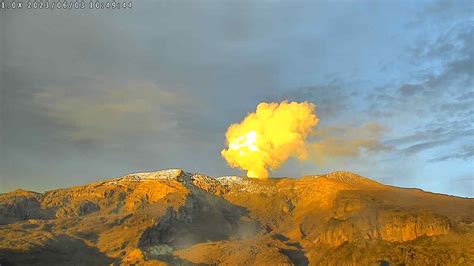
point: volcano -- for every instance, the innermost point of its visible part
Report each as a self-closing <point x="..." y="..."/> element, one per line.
<point x="172" y="217"/>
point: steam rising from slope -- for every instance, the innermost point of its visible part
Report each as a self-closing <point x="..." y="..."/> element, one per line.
<point x="268" y="137"/>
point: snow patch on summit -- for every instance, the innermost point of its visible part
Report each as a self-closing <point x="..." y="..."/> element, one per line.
<point x="168" y="174"/>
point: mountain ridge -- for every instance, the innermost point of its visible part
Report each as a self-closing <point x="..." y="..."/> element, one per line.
<point x="326" y="175"/>
<point x="174" y="217"/>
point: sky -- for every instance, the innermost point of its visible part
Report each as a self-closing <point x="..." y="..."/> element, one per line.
<point x="92" y="94"/>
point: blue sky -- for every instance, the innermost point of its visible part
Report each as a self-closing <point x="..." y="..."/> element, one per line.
<point x="87" y="95"/>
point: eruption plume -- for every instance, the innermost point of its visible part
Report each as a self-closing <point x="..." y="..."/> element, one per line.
<point x="268" y="137"/>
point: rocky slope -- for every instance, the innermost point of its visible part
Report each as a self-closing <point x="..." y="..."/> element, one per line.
<point x="178" y="218"/>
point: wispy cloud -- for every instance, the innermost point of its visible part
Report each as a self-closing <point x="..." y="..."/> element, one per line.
<point x="437" y="98"/>
<point x="466" y="153"/>
<point x="348" y="141"/>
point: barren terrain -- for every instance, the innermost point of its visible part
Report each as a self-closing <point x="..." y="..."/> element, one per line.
<point x="178" y="218"/>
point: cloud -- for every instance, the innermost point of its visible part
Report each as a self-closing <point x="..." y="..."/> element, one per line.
<point x="442" y="69"/>
<point x="453" y="52"/>
<point x="431" y="138"/>
<point x="466" y="153"/>
<point x="410" y="89"/>
<point x="103" y="115"/>
<point x="437" y="97"/>
<point x="466" y="96"/>
<point x="346" y="141"/>
<point x="413" y="149"/>
<point x="332" y="98"/>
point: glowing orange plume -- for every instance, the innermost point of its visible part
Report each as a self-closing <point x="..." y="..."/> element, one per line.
<point x="268" y="137"/>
